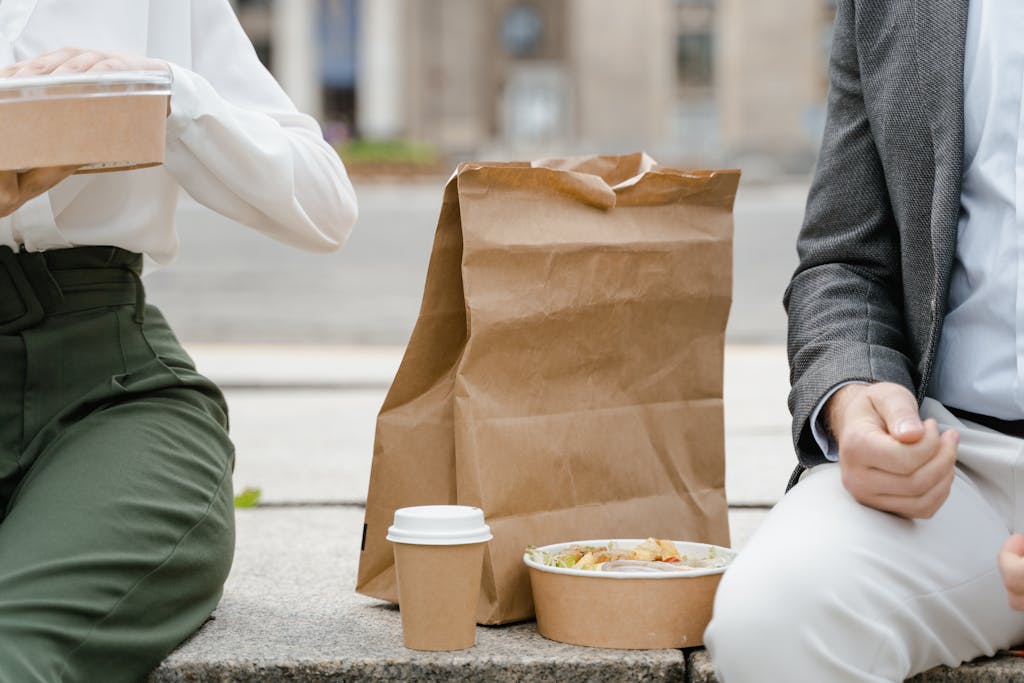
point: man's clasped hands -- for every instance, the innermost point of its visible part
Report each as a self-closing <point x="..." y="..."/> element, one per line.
<point x="893" y="461"/>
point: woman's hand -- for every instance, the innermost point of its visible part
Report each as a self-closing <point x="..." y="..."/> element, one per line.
<point x="72" y="60"/>
<point x="17" y="188"/>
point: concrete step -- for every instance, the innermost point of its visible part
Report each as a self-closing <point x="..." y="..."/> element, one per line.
<point x="303" y="419"/>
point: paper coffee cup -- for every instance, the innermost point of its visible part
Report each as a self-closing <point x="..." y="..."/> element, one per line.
<point x="439" y="552"/>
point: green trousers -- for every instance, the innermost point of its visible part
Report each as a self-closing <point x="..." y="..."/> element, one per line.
<point x="116" y="515"/>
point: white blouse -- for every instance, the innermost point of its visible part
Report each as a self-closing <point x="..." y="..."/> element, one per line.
<point x="235" y="142"/>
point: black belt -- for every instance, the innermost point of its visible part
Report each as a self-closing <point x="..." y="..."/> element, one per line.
<point x="38" y="284"/>
<point x="1010" y="427"/>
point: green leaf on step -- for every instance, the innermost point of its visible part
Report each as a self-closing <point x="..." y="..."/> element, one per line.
<point x="248" y="498"/>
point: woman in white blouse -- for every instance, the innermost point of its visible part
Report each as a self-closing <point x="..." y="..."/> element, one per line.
<point x="116" y="519"/>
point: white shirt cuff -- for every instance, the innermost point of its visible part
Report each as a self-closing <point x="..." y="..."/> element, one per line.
<point x="184" y="102"/>
<point x="828" y="446"/>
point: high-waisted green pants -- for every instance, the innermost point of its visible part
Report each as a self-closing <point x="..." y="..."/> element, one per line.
<point x="116" y="515"/>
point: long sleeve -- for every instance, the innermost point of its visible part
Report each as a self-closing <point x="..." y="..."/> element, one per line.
<point x="829" y="448"/>
<point x="845" y="301"/>
<point x="236" y="143"/>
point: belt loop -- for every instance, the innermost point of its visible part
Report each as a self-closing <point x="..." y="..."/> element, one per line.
<point x="32" y="308"/>
<point x="37" y="271"/>
<point x="140" y="296"/>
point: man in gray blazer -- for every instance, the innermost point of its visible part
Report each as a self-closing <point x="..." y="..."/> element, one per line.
<point x="895" y="549"/>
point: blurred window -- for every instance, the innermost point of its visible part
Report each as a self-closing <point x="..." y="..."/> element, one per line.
<point x="695" y="46"/>
<point x="536" y="104"/>
<point x="522" y="30"/>
<point x="693" y="60"/>
<point x="339" y="31"/>
<point x="694" y="121"/>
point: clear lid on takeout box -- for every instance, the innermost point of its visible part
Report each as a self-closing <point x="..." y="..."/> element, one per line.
<point x="75" y="86"/>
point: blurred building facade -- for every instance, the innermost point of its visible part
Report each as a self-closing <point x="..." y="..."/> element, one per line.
<point x="694" y="81"/>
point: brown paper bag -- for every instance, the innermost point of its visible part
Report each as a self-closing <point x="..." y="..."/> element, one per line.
<point x="565" y="373"/>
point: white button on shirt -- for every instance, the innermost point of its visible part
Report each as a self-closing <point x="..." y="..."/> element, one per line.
<point x="980" y="356"/>
<point x="235" y="142"/>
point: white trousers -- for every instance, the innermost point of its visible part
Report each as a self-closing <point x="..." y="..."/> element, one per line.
<point x="829" y="590"/>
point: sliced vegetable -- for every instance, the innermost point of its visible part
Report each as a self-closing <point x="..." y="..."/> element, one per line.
<point x="651" y="555"/>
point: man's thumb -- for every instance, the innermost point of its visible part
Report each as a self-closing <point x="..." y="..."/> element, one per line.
<point x="899" y="411"/>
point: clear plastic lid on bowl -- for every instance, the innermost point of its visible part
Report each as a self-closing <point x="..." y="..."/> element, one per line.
<point x="79" y="86"/>
<point x="696" y="550"/>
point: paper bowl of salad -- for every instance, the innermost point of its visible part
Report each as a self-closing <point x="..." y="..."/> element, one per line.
<point x="632" y="594"/>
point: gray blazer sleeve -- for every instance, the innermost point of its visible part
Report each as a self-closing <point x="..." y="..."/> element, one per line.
<point x="845" y="299"/>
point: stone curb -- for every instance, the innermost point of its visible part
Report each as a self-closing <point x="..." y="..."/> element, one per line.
<point x="478" y="671"/>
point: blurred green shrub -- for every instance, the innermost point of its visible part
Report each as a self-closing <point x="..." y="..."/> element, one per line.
<point x="398" y="152"/>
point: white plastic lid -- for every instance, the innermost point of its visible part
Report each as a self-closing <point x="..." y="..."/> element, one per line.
<point x="86" y="85"/>
<point x="439" y="525"/>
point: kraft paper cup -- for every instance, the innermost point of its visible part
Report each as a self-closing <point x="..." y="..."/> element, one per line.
<point x="626" y="610"/>
<point x="439" y="553"/>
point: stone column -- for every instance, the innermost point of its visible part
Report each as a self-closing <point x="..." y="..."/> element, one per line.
<point x="769" y="75"/>
<point x="380" y="80"/>
<point x="447" y="64"/>
<point x="622" y="61"/>
<point x="296" y="52"/>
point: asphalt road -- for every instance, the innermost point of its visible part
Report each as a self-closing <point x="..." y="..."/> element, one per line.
<point x="231" y="284"/>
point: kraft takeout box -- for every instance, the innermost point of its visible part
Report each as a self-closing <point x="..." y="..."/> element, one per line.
<point x="625" y="610"/>
<point x="101" y="122"/>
